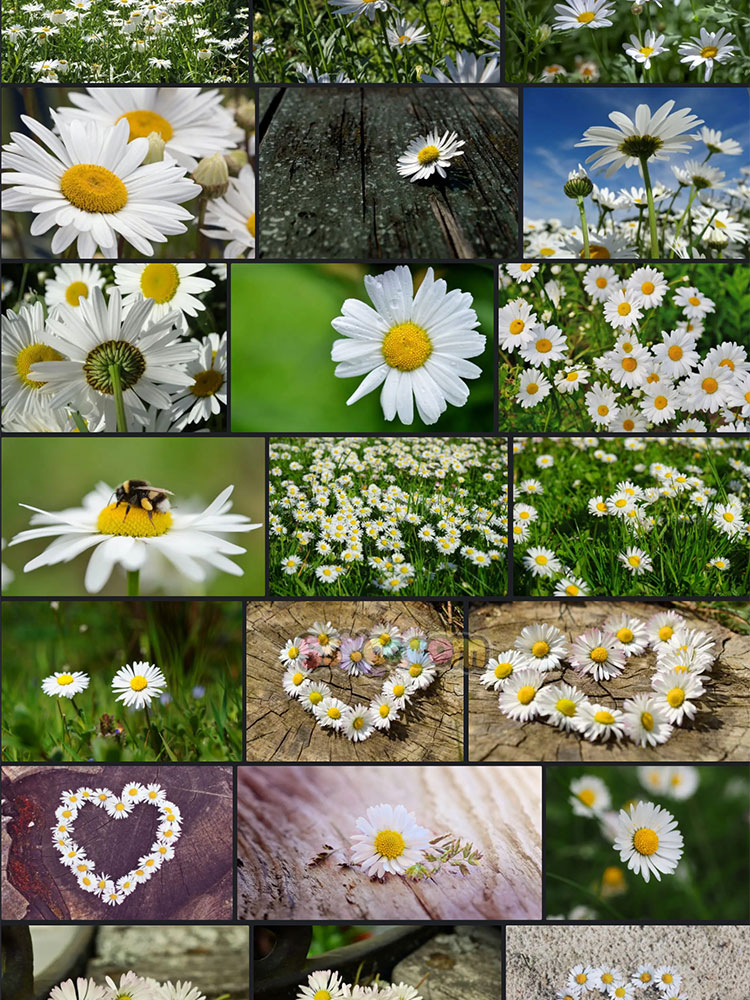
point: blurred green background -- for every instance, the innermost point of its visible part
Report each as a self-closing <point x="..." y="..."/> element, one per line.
<point x="282" y="375"/>
<point x="711" y="881"/>
<point x="56" y="472"/>
<point x="196" y="644"/>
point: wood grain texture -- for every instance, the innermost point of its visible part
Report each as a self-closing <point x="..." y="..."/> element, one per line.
<point x="467" y="963"/>
<point x="279" y="729"/>
<point x="196" y="884"/>
<point x="287" y="814"/>
<point x="719" y="732"/>
<point x="329" y="186"/>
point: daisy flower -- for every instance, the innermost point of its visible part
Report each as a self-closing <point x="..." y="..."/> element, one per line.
<point x="80" y="989"/>
<point x="580" y="978"/>
<point x="94" y="187"/>
<point x="518" y="697"/>
<point x="232" y="216"/>
<point x="501" y="667"/>
<point x="138" y="684"/>
<point x="648" y="840"/>
<point x="521" y="272"/>
<point x="192" y="122"/>
<point x="719" y="563"/>
<point x="546" y="344"/>
<point x="660" y="402"/>
<point x="666" y="977"/>
<point x="295" y="681"/>
<point x="708" y="48"/>
<point x="323" y="985"/>
<point x="571" y="586"/>
<point x="543" y="646"/>
<point x="574" y="14"/>
<point x="676" y="353"/>
<point x="570" y="378"/>
<point x="467" y="68"/>
<point x="329" y="713"/>
<point x="180" y="991"/>
<point x="390" y="841"/>
<point x="414" y="344"/>
<point x="599" y="280"/>
<point x="70" y="283"/>
<point x="192" y="543"/>
<point x="118" y="808"/>
<point x="631" y="633"/>
<point x="295" y="651"/>
<point x="662" y="627"/>
<point x="353" y="659"/>
<point x="401" y="33"/>
<point x="643" y="977"/>
<point x="516" y="322"/>
<point x="541" y="561"/>
<point x="208" y="393"/>
<point x="533" y="387"/>
<point x="675" y="694"/>
<point x="325" y="639"/>
<point x="602" y="404"/>
<point x="597" y="722"/>
<point x="694" y="304"/>
<point x="636" y="561"/>
<point x="715" y="144"/>
<point x="420" y="668"/>
<point x="384" y="710"/>
<point x="130" y="987"/>
<point x="358" y="723"/>
<point x="400" y="686"/>
<point x="644" y="51"/>
<point x="172" y="287"/>
<point x="66" y="684"/>
<point x="358" y="7"/>
<point x="428" y="154"/>
<point x="646" y="721"/>
<point x="590" y="796"/>
<point x="24" y="343"/>
<point x="602" y="246"/>
<point x="622" y="310"/>
<point x="559" y="704"/>
<point x="597" y="653"/>
<point x="650" y="136"/>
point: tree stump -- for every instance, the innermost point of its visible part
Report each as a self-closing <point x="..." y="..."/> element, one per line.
<point x="719" y="731"/>
<point x="197" y="884"/>
<point x="287" y="816"/>
<point x="279" y="729"/>
<point x="330" y="189"/>
<point x="467" y="963"/>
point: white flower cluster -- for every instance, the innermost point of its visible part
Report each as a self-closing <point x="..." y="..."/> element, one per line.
<point x="130" y="987"/>
<point x="168" y="832"/>
<point x="662" y="982"/>
<point x="684" y="658"/>
<point x="406" y="657"/>
<point x="647" y="377"/>
<point x="134" y="685"/>
<point x="328" y="985"/>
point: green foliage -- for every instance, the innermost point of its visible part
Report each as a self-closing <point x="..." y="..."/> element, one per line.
<point x="447" y="851"/>
<point x="711" y="880"/>
<point x="282" y="375"/>
<point x="197" y="646"/>
<point x="327" y="938"/>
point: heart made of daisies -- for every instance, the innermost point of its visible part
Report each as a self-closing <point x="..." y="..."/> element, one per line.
<point x="101" y="884"/>
<point x="408" y="663"/>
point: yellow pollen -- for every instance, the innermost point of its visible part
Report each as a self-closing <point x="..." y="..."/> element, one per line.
<point x="608" y="978"/>
<point x="541" y="560"/>
<point x="384" y="711"/>
<point x="403" y="38"/>
<point x="747" y="397"/>
<point x="602" y="410"/>
<point x="727" y="363"/>
<point x="601" y="506"/>
<point x="620" y="991"/>
<point x="428" y="155"/>
<point x="503" y="670"/>
<point x="139" y="682"/>
<point x="599" y="654"/>
<point x="64" y="680"/>
<point x="297" y="679"/>
<point x="525" y="267"/>
<point x="415" y="669"/>
<point x="324" y="994"/>
<point x="646" y="841"/>
<point x="728" y="517"/>
<point x="101" y="884"/>
<point x="586" y="17"/>
<point x="675" y="697"/>
<point x="694" y="300"/>
<point x="625" y="634"/>
<point x="629" y="364"/>
<point x="526" y="694"/>
<point x="571" y="590"/>
<point x="667" y="978"/>
<point x="160" y="282"/>
<point x="634" y="560"/>
<point x="597" y="252"/>
<point x="624" y="309"/>
<point x="647" y="51"/>
<point x="398" y="690"/>
<point x="406" y="347"/>
<point x="587" y="796"/>
<point x="251" y="225"/>
<point x="606" y="718"/>
<point x="358" y="722"/>
<point x="334" y="713"/>
<point x="566" y="706"/>
<point x="719" y="224"/>
<point x="660" y="402"/>
<point x="117" y="519"/>
<point x="532" y="388"/>
<point x="647" y="721"/>
<point x="581" y="978"/>
<point x="207" y="383"/>
<point x="709" y="385"/>
<point x="666" y="632"/>
<point x="571" y="377"/>
<point x="76" y="291"/>
<point x="143" y="123"/>
<point x="645" y="977"/>
<point x="621" y="502"/>
<point x="675" y="352"/>
<point x="547" y="252"/>
<point x="355" y="656"/>
<point x="93" y="188"/>
<point x="540" y="648"/>
<point x="544" y="345"/>
<point x="601" y="282"/>
<point x="29" y="356"/>
<point x="628" y="425"/>
<point x="389" y="844"/>
<point x="517" y="326"/>
<point x="709" y="52"/>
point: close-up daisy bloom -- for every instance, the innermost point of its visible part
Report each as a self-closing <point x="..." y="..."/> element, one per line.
<point x="414" y="344"/>
<point x="644" y="50"/>
<point x="323" y="985"/>
<point x="171" y="287"/>
<point x="707" y="49"/>
<point x="575" y="14"/>
<point x="646" y="721"/>
<point x="137" y="684"/>
<point x="559" y="705"/>
<point x="65" y="684"/>
<point x="543" y="646"/>
<point x="389" y="842"/>
<point x="518" y="697"/>
<point x="500" y="667"/>
<point x="231" y="217"/>
<point x="466" y="68"/>
<point x="429" y="154"/>
<point x="648" y="840"/>
<point x="636" y="561"/>
<point x="676" y="695"/>
<point x="70" y="283"/>
<point x="589" y="796"/>
<point x="598" y="722"/>
<point x="597" y="653"/>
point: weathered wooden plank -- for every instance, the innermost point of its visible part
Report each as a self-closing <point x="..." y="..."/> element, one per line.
<point x="329" y="186"/>
<point x="287" y="814"/>
<point x="279" y="729"/>
<point x="720" y="730"/>
<point x="195" y="884"/>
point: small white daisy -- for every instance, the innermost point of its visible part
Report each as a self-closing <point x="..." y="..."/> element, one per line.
<point x="428" y="154"/>
<point x="358" y="723"/>
<point x="543" y="646"/>
<point x="390" y="841"/>
<point x="648" y="840"/>
<point x="136" y="685"/>
<point x="598" y="722"/>
<point x="518" y="696"/>
<point x="590" y="796"/>
<point x="646" y="721"/>
<point x="499" y="668"/>
<point x="559" y="704"/>
<point x="65" y="684"/>
<point x="598" y="654"/>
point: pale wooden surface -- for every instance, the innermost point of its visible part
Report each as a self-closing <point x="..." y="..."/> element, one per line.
<point x="287" y="814"/>
<point x="196" y="884"/>
<point x="713" y="960"/>
<point x="467" y="964"/>
<point x="279" y="729"/>
<point x="719" y="732"/>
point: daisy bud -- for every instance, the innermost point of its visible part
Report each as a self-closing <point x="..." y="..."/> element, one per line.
<point x="212" y="174"/>
<point x="543" y="32"/>
<point x="578" y="184"/>
<point x="236" y="160"/>
<point x="244" y="113"/>
<point x="156" y="147"/>
<point x="637" y="8"/>
<point x="257" y="36"/>
<point x="715" y="238"/>
<point x="258" y="16"/>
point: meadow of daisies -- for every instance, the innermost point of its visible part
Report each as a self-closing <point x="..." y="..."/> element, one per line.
<point x="125" y="41"/>
<point x="629" y="516"/>
<point x="681" y="175"/>
<point x="628" y="348"/>
<point x="366" y="41"/>
<point x="585" y="41"/>
<point x="356" y="516"/>
<point x="624" y="841"/>
<point x="128" y="172"/>
<point x="130" y="347"/>
<point x="106" y="681"/>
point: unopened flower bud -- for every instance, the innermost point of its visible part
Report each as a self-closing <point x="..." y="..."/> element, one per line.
<point x="258" y="16"/>
<point x="543" y="32"/>
<point x="715" y="238"/>
<point x="578" y="184"/>
<point x="236" y="160"/>
<point x="244" y="114"/>
<point x="636" y="9"/>
<point x="156" y="147"/>
<point x="257" y="36"/>
<point x="212" y="173"/>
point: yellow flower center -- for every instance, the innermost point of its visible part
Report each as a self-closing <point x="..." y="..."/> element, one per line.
<point x="384" y="711"/>
<point x="646" y="841"/>
<point x="315" y="697"/>
<point x="297" y="679"/>
<point x="709" y="51"/>
<point x="647" y="51"/>
<point x="389" y="844"/>
<point x="599" y="654"/>
<point x="710" y="385"/>
<point x="119" y="807"/>
<point x="605" y="718"/>
<point x="647" y="721"/>
<point x="415" y="669"/>
<point x="602" y="410"/>
<point x="526" y="694"/>
<point x="29" y="356"/>
<point x="358" y="722"/>
<point x="675" y="352"/>
<point x="532" y="388"/>
<point x="398" y="690"/>
<point x="728" y="517"/>
<point x="585" y="17"/>
<point x="675" y="697"/>
<point x="324" y="994"/>
<point x="516" y="327"/>
<point x="621" y="502"/>
<point x="93" y="188"/>
<point x="406" y="347"/>
<point x="525" y="267"/>
<point x="503" y="670"/>
<point x="160" y="282"/>
<point x="334" y="713"/>
<point x="597" y="252"/>
<point x="667" y="978"/>
<point x="118" y="519"/>
<point x="629" y="364"/>
<point x="544" y="346"/>
<point x="666" y="632"/>
<point x="293" y="652"/>
<point x="620" y="991"/>
<point x="541" y="560"/>
<point x="624" y="309"/>
<point x="428" y="155"/>
<point x="540" y="648"/>
<point x="207" y="383"/>
<point x="608" y="978"/>
<point x="601" y="282"/>
<point x="143" y="123"/>
<point x="63" y="680"/>
<point x="634" y="560"/>
<point x="76" y="291"/>
<point x="567" y="706"/>
<point x="694" y="300"/>
<point x="645" y="977"/>
<point x="660" y="402"/>
<point x="581" y="978"/>
<point x="587" y="797"/>
<point x="625" y="634"/>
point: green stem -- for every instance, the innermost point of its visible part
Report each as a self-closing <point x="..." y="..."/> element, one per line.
<point x="693" y="193"/>
<point x="584" y="227"/>
<point x="79" y="422"/>
<point x="134" y="582"/>
<point x="148" y="723"/>
<point x="389" y="48"/>
<point x="122" y="421"/>
<point x="80" y="713"/>
<point x="651" y="208"/>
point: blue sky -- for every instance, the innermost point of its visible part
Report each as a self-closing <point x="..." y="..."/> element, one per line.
<point x="555" y="118"/>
